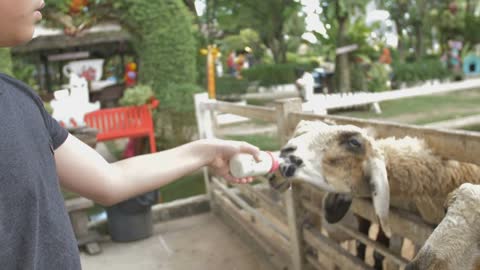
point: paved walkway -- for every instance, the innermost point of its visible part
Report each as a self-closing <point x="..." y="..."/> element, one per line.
<point x="200" y="242"/>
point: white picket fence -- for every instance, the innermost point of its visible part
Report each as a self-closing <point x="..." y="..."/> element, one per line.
<point x="322" y="103"/>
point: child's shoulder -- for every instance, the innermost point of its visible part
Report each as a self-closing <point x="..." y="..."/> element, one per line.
<point x="8" y="83"/>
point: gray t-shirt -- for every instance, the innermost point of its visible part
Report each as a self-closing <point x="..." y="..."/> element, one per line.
<point x="35" y="231"/>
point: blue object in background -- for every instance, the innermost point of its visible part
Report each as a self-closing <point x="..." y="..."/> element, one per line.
<point x="471" y="65"/>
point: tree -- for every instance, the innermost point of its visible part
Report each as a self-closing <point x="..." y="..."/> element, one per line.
<point x="398" y="10"/>
<point x="339" y="13"/>
<point x="267" y="17"/>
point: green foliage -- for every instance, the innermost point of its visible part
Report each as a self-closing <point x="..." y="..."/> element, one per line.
<point x="5" y="61"/>
<point x="229" y="85"/>
<point x="25" y="72"/>
<point x="178" y="97"/>
<point x="175" y="119"/>
<point x="48" y="107"/>
<point x="268" y="18"/>
<point x="414" y="72"/>
<point x="246" y="37"/>
<point x="164" y="41"/>
<point x="136" y="96"/>
<point x="268" y="75"/>
<point x="184" y="187"/>
<point x="264" y="142"/>
<point x="378" y="76"/>
<point x="472" y="24"/>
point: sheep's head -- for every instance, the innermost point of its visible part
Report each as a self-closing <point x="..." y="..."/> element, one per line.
<point x="340" y="159"/>
<point x="454" y="242"/>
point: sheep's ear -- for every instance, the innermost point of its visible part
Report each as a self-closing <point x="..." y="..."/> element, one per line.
<point x="380" y="192"/>
<point x="335" y="206"/>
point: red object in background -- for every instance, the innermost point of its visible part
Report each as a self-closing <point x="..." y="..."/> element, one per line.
<point x="77" y="5"/>
<point x="453" y="7"/>
<point x="130" y="74"/>
<point x="89" y="74"/>
<point x="385" y="58"/>
<point x="124" y="122"/>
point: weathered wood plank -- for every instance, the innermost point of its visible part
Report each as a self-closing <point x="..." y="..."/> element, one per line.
<point x="248" y="232"/>
<point x="263" y="201"/>
<point x="79" y="203"/>
<point x="252" y="211"/>
<point x="249" y="111"/>
<point x="453" y="144"/>
<point x="401" y="222"/>
<point x="342" y="258"/>
<point x="320" y="265"/>
<point x="360" y="237"/>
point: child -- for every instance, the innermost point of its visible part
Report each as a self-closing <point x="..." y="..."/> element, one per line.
<point x="36" y="155"/>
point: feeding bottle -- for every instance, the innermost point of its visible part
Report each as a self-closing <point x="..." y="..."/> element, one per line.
<point x="245" y="165"/>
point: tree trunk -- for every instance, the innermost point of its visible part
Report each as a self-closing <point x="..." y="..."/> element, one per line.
<point x="418" y="41"/>
<point x="419" y="29"/>
<point x="342" y="71"/>
<point x="278" y="51"/>
<point x="401" y="43"/>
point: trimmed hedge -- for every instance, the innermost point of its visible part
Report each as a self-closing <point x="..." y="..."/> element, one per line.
<point x="164" y="41"/>
<point x="427" y="69"/>
<point x="228" y="85"/>
<point x="274" y="74"/>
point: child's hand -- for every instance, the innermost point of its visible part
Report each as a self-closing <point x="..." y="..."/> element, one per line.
<point x="222" y="152"/>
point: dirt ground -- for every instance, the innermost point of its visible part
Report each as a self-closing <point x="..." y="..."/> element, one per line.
<point x="201" y="242"/>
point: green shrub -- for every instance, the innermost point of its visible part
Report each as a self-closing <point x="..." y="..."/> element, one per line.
<point x="274" y="74"/>
<point x="426" y="69"/>
<point x="175" y="122"/>
<point x="178" y="96"/>
<point x="5" y="61"/>
<point x="136" y="96"/>
<point x="48" y="107"/>
<point x="25" y="71"/>
<point x="358" y="78"/>
<point x="228" y="85"/>
<point x="377" y="76"/>
<point x="164" y="40"/>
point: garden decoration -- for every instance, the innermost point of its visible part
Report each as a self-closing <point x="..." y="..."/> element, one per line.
<point x="70" y="105"/>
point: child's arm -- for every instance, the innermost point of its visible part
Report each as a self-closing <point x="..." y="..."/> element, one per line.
<point x="82" y="170"/>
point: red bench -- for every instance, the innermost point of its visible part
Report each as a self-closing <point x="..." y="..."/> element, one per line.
<point x="124" y="122"/>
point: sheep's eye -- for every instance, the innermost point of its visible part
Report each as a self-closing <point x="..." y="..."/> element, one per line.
<point x="354" y="143"/>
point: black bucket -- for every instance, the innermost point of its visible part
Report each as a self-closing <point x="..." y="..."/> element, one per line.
<point x="131" y="220"/>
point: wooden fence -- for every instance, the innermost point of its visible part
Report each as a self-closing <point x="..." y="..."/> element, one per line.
<point x="287" y="228"/>
<point x="323" y="103"/>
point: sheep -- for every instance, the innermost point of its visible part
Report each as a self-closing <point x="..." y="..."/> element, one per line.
<point x="346" y="159"/>
<point x="454" y="244"/>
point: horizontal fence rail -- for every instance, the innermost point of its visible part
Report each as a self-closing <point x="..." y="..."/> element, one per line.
<point x="249" y="111"/>
<point x="337" y="101"/>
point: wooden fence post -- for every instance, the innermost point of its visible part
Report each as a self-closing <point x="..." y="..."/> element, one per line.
<point x="205" y="131"/>
<point x="396" y="247"/>
<point x="283" y="107"/>
<point x="292" y="200"/>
